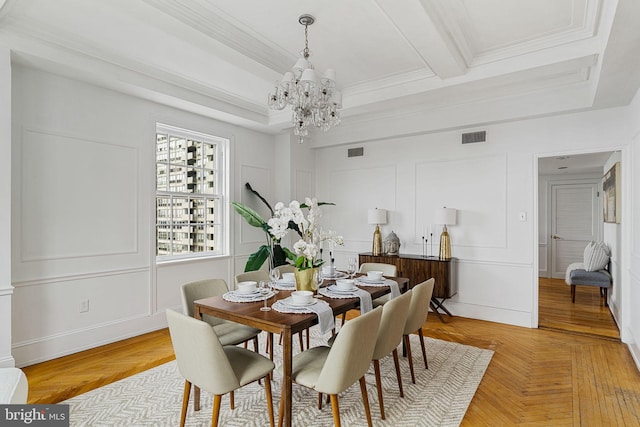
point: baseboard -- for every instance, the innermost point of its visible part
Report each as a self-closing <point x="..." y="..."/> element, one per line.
<point x="48" y="348"/>
<point x="7" y="362"/>
<point x="635" y="353"/>
<point x="491" y="314"/>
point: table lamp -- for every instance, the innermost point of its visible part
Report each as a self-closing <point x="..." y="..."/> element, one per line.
<point x="377" y="217"/>
<point x="445" y="216"/>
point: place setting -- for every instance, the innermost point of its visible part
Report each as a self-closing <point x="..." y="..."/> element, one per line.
<point x="375" y="278"/>
<point x="346" y="288"/>
<point x="285" y="283"/>
<point x="249" y="291"/>
<point x="303" y="302"/>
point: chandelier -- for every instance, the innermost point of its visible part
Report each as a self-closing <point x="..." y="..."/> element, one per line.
<point x="314" y="100"/>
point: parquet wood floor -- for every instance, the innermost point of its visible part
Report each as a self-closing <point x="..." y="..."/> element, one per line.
<point x="536" y="376"/>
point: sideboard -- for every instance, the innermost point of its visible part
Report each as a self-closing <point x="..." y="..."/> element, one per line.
<point x="418" y="268"/>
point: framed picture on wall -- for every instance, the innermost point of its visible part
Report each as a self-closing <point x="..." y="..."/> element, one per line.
<point x="611" y="190"/>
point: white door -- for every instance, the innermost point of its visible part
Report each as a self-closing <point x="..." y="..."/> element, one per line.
<point x="574" y="222"/>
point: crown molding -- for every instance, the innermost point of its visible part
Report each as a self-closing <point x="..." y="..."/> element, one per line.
<point x="213" y="23"/>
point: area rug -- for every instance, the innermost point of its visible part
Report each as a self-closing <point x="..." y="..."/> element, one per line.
<point x="440" y="396"/>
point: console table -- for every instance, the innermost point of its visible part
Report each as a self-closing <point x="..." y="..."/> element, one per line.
<point x="419" y="268"/>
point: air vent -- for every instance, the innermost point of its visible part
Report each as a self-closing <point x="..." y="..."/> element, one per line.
<point x="355" y="152"/>
<point x="474" y="137"/>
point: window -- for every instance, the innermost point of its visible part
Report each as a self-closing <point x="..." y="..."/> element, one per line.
<point x="190" y="177"/>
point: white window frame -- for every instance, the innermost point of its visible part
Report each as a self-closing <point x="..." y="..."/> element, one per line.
<point x="221" y="179"/>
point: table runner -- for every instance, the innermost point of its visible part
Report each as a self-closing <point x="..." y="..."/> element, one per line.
<point x="322" y="309"/>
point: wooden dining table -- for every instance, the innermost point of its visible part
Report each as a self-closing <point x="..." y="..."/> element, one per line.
<point x="286" y="324"/>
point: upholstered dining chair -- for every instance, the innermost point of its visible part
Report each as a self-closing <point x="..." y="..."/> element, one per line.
<point x="288" y="268"/>
<point x="389" y="270"/>
<point x="331" y="370"/>
<point x="417" y="315"/>
<point x="205" y="363"/>
<point x="390" y="332"/>
<point x="257" y="276"/>
<point x="229" y="333"/>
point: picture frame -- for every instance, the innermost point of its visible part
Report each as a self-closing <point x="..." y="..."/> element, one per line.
<point x="611" y="188"/>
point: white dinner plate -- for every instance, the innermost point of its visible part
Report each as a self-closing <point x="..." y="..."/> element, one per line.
<point x="336" y="275"/>
<point x="251" y="294"/>
<point x="285" y="283"/>
<point x="335" y="290"/>
<point x="289" y="303"/>
<point x="372" y="281"/>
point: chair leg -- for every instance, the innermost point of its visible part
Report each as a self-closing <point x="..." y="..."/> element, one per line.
<point x="217" y="400"/>
<point x="301" y="341"/>
<point x="255" y="344"/>
<point x="281" y="408"/>
<point x="344" y="318"/>
<point x="376" y="368"/>
<point x="606" y="302"/>
<point x="196" y="398"/>
<point x="409" y="357"/>
<point x="396" y="362"/>
<point x="232" y="401"/>
<point x="308" y="342"/>
<point x="335" y="409"/>
<point x="573" y="293"/>
<point x="365" y="400"/>
<point x="267" y="390"/>
<point x="424" y="351"/>
<point x="319" y="401"/>
<point x="185" y="402"/>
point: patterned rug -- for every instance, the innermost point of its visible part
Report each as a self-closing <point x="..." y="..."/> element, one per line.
<point x="440" y="396"/>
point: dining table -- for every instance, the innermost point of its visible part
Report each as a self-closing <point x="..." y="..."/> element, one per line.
<point x="286" y="324"/>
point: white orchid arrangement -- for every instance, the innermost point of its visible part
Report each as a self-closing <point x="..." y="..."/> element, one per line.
<point x="292" y="217"/>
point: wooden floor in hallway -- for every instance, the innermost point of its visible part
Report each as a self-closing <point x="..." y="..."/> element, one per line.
<point x="588" y="315"/>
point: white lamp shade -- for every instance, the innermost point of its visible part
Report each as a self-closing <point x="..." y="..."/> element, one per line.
<point x="309" y="75"/>
<point x="377" y="216"/>
<point x="329" y="78"/>
<point x="300" y="65"/>
<point x="446" y="216"/>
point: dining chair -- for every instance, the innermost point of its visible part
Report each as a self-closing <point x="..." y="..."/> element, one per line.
<point x="417" y="315"/>
<point x="287" y="268"/>
<point x="390" y="332"/>
<point x="205" y="363"/>
<point x="229" y="333"/>
<point x="258" y="276"/>
<point x="331" y="370"/>
<point x="389" y="270"/>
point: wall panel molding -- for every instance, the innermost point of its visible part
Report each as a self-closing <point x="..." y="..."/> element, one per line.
<point x="465" y="184"/>
<point x="67" y="184"/>
<point x="67" y="278"/>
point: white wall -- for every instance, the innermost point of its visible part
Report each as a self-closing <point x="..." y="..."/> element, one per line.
<point x="6" y="290"/>
<point x="630" y="241"/>
<point x="83" y="170"/>
<point x="490" y="184"/>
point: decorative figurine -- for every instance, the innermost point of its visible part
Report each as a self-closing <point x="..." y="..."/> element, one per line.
<point x="391" y="244"/>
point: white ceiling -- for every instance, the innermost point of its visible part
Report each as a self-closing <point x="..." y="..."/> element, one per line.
<point x="220" y="58"/>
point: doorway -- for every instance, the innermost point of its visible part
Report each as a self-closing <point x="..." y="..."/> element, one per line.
<point x="570" y="215"/>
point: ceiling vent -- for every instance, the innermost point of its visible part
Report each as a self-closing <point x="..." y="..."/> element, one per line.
<point x="474" y="137"/>
<point x="355" y="152"/>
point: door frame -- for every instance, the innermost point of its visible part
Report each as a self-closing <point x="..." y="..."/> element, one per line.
<point x="623" y="318"/>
